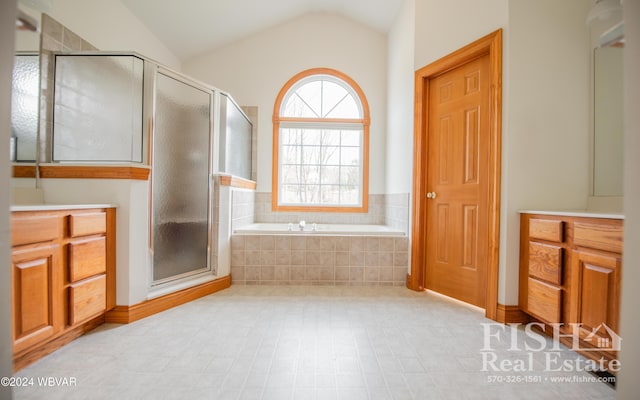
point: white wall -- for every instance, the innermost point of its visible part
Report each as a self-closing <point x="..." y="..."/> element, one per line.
<point x="629" y="385"/>
<point x="546" y="122"/>
<point x="400" y="92"/>
<point x="109" y="25"/>
<point x="254" y="70"/>
<point x="7" y="24"/>
<point x="444" y="26"/>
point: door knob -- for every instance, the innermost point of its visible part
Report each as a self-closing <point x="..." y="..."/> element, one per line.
<point x="431" y="195"/>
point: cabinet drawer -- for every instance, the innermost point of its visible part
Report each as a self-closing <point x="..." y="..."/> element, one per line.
<point x="87" y="299"/>
<point x="34" y="228"/>
<point x="82" y="224"/>
<point x="87" y="258"/>
<point x="546" y="229"/>
<point x="545" y="262"/>
<point x="607" y="237"/>
<point x="544" y="301"/>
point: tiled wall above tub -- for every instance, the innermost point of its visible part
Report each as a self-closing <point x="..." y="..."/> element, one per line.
<point x="396" y="211"/>
<point x="375" y="216"/>
<point x="319" y="260"/>
<point x="242" y="207"/>
<point x="54" y="37"/>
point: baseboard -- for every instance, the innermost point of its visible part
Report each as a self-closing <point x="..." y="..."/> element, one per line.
<point x="21" y="360"/>
<point x="511" y="315"/>
<point x="128" y="314"/>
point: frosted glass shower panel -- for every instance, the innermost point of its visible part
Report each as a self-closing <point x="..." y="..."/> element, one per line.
<point x="98" y="108"/>
<point x="181" y="170"/>
<point x="235" y="139"/>
<point x="24" y="105"/>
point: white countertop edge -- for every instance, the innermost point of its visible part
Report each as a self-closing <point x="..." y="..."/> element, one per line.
<point x="57" y="207"/>
<point x="575" y="213"/>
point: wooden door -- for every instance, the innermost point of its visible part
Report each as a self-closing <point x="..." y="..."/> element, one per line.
<point x="458" y="182"/>
<point x="36" y="299"/>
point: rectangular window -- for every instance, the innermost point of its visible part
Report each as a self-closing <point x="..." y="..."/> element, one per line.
<point x="321" y="167"/>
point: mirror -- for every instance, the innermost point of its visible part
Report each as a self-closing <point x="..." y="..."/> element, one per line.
<point x="608" y="121"/>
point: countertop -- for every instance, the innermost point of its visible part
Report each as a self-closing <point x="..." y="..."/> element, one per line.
<point x="57" y="207"/>
<point x="575" y="213"/>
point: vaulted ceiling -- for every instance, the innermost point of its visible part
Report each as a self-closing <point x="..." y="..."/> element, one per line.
<point x="192" y="27"/>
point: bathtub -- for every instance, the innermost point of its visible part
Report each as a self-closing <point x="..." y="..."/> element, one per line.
<point x="321" y="229"/>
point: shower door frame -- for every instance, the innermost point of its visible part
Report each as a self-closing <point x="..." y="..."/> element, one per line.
<point x="151" y="129"/>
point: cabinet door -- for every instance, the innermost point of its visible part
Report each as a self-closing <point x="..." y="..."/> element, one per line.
<point x="36" y="278"/>
<point x="595" y="303"/>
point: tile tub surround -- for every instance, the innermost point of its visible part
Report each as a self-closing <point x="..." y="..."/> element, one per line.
<point x="242" y="207"/>
<point x="396" y="211"/>
<point x="314" y="260"/>
<point x="375" y="216"/>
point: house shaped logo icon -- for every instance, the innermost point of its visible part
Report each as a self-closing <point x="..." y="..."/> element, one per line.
<point x="602" y="338"/>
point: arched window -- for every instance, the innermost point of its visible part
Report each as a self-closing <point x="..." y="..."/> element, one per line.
<point x="320" y="144"/>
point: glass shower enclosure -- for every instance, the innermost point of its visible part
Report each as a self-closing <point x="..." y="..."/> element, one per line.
<point x="123" y="108"/>
<point x="181" y="170"/>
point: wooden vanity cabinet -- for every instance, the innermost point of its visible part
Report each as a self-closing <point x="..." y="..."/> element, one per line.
<point x="63" y="277"/>
<point x="570" y="269"/>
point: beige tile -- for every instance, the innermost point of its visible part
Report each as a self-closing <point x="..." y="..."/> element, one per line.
<point x="385" y="259"/>
<point x="402" y="244"/>
<point x="252" y="273"/>
<point x="281" y="273"/>
<point x="297" y="273"/>
<point x="71" y="40"/>
<point x="342" y="273"/>
<point x="371" y="259"/>
<point x="237" y="258"/>
<point x="283" y="257"/>
<point x="237" y="242"/>
<point x="51" y="44"/>
<point x="283" y="242"/>
<point x="356" y="243"/>
<point x="267" y="273"/>
<point x="387" y="244"/>
<point x="237" y="274"/>
<point x="356" y="274"/>
<point x="267" y="257"/>
<point x="252" y="242"/>
<point x="298" y="243"/>
<point x="343" y="244"/>
<point x="51" y="27"/>
<point x="372" y="274"/>
<point x="267" y="242"/>
<point x="400" y="259"/>
<point x="386" y="274"/>
<point x="400" y="274"/>
<point x="252" y="257"/>
<point x="372" y="244"/>
<point x="327" y="273"/>
<point x="356" y="258"/>
<point x="298" y="257"/>
<point x="342" y="259"/>
<point x="312" y="273"/>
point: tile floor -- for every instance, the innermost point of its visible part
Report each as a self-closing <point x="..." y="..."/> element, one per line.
<point x="301" y="342"/>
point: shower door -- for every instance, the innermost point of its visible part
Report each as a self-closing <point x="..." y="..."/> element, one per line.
<point x="181" y="187"/>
